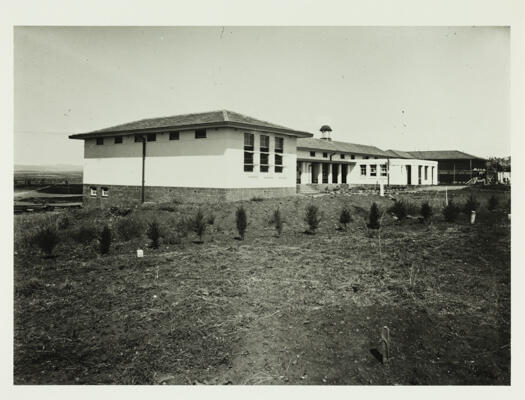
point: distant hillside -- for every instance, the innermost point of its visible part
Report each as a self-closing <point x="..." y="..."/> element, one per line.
<point x="48" y="168"/>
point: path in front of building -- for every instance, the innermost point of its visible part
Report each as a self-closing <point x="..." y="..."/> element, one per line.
<point x="440" y="188"/>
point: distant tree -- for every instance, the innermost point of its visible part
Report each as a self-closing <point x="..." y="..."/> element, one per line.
<point x="277" y="221"/>
<point x="426" y="211"/>
<point x="154" y="234"/>
<point x="344" y="217"/>
<point x="374" y="217"/>
<point x="399" y="209"/>
<point x="242" y="221"/>
<point x="470" y="205"/>
<point x="46" y="239"/>
<point x="198" y="224"/>
<point x="312" y="218"/>
<point x="451" y="212"/>
<point x="105" y="240"/>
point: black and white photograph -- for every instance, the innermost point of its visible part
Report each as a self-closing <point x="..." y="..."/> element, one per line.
<point x="256" y="205"/>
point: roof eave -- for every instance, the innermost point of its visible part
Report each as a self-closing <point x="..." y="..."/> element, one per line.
<point x="224" y="124"/>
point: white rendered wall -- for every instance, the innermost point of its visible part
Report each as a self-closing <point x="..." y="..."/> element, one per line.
<point x="213" y="162"/>
<point x="397" y="168"/>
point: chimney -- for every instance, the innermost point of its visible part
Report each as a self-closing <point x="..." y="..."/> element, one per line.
<point x="325" y="132"/>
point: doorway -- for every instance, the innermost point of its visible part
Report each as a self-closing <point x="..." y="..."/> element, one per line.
<point x="409" y="174"/>
<point x="344" y="172"/>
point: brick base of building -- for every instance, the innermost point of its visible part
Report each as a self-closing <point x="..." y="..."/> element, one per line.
<point x="119" y="195"/>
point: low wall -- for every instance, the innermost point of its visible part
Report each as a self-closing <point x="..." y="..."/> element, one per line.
<point x="131" y="195"/>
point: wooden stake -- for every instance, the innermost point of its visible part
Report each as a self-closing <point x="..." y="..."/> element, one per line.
<point x="385" y="344"/>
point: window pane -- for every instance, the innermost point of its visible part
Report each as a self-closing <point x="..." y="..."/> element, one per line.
<point x="312" y="154"/>
<point x="200" y="134"/>
<point x="248" y="157"/>
<point x="118" y="139"/>
<point x="264" y="159"/>
<point x="363" y="169"/>
<point x="279" y="144"/>
<point x="278" y="159"/>
<point x="248" y="141"/>
<point x="174" y="136"/>
<point x="265" y="143"/>
<point x="100" y="141"/>
<point x="152" y="137"/>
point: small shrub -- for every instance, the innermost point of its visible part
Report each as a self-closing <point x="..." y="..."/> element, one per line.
<point x="154" y="234"/>
<point x="84" y="234"/>
<point x="426" y="211"/>
<point x="129" y="228"/>
<point x="211" y="219"/>
<point x="374" y="217"/>
<point x="399" y="209"/>
<point x="344" y="217"/>
<point x="46" y="239"/>
<point x="63" y="221"/>
<point x="242" y="221"/>
<point x="277" y="221"/>
<point x="451" y="212"/>
<point x="493" y="203"/>
<point x="312" y="218"/>
<point x="256" y="198"/>
<point x="198" y="224"/>
<point x="105" y="240"/>
<point x="470" y="205"/>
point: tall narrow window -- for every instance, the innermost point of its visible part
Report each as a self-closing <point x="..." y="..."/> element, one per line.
<point x="278" y="163"/>
<point x="279" y="144"/>
<point x="363" y="170"/>
<point x="426" y="172"/>
<point x="383" y="170"/>
<point x="265" y="153"/>
<point x="200" y="134"/>
<point x="118" y="139"/>
<point x="373" y="170"/>
<point x="279" y="148"/>
<point x="174" y="136"/>
<point x="100" y="141"/>
<point x="248" y="152"/>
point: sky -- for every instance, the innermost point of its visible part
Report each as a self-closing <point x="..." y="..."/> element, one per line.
<point x="404" y="88"/>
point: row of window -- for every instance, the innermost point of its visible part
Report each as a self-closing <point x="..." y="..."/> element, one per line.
<point x="264" y="153"/>
<point x="104" y="191"/>
<point x="152" y="137"/>
<point x="373" y="170"/>
<point x="342" y="156"/>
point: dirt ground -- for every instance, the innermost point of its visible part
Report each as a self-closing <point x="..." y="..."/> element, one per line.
<point x="294" y="309"/>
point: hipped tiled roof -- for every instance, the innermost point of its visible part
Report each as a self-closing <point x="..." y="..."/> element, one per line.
<point x="444" y="155"/>
<point x="335" y="146"/>
<point x="222" y="118"/>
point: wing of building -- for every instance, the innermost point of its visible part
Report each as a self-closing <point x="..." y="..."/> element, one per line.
<point x="225" y="155"/>
<point x="455" y="166"/>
